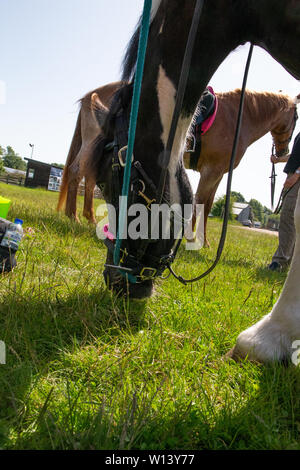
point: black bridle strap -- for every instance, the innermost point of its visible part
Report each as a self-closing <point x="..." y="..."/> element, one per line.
<point x="229" y="180"/>
<point x="291" y="130"/>
<point x="273" y="173"/>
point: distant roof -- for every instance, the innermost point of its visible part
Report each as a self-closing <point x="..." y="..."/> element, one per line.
<point x="43" y="163"/>
<point x="14" y="170"/>
<point x="238" y="207"/>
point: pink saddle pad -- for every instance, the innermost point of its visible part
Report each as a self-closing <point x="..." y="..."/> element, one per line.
<point x="206" y="125"/>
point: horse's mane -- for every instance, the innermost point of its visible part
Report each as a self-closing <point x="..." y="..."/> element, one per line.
<point x="123" y="96"/>
<point x="121" y="99"/>
<point x="260" y="102"/>
<point x="130" y="57"/>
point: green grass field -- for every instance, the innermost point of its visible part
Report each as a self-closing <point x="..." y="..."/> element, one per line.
<point x="87" y="371"/>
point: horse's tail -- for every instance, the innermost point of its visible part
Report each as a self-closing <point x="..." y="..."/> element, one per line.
<point x="74" y="149"/>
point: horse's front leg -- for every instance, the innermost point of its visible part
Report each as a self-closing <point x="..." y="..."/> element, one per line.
<point x="272" y="338"/>
<point x="207" y="187"/>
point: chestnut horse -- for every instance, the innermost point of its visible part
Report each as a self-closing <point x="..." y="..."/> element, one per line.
<point x="263" y="112"/>
<point x="224" y="25"/>
<point x="93" y="107"/>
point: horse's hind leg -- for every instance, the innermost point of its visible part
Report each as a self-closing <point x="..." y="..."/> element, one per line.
<point x="71" y="210"/>
<point x="88" y="209"/>
<point x="75" y="176"/>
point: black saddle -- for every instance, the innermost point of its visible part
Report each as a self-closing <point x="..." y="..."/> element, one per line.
<point x="205" y="108"/>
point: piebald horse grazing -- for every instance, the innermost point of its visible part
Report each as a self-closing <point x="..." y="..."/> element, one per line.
<point x="263" y="112"/>
<point x="224" y="25"/>
<point x="93" y="108"/>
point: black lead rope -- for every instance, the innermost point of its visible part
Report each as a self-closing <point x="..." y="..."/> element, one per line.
<point x="282" y="197"/>
<point x="229" y="181"/>
<point x="273" y="183"/>
<point x="273" y="178"/>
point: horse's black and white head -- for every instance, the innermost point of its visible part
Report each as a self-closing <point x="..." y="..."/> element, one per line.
<point x="147" y="254"/>
<point x="224" y="24"/>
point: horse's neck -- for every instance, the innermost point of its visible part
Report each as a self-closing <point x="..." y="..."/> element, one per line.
<point x="166" y="93"/>
<point x="162" y="75"/>
<point x="262" y="114"/>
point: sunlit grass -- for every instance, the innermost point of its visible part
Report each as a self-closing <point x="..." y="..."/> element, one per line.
<point x="87" y="371"/>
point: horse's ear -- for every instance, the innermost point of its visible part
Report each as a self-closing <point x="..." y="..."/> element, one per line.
<point x="96" y="102"/>
<point x="100" y="110"/>
<point x="297" y="99"/>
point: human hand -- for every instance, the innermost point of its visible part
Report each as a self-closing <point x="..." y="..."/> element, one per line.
<point x="282" y="159"/>
<point x="274" y="159"/>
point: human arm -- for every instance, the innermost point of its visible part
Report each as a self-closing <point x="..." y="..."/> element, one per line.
<point x="292" y="179"/>
<point x="294" y="160"/>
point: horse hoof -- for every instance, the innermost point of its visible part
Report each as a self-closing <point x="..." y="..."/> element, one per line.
<point x="231" y="355"/>
<point x="90" y="218"/>
<point x="235" y="355"/>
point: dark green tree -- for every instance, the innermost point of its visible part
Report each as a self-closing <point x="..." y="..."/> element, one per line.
<point x="238" y="197"/>
<point x="1" y="161"/>
<point x="219" y="207"/>
<point x="59" y="165"/>
<point x="266" y="213"/>
<point x="258" y="210"/>
<point x="12" y="160"/>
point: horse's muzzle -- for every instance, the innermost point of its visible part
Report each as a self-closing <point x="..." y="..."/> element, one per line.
<point x="121" y="287"/>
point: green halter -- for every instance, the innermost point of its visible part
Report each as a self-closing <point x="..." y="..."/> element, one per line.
<point x="132" y="129"/>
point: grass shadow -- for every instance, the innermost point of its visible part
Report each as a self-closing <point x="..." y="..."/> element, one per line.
<point x="260" y="417"/>
<point x="37" y="332"/>
<point x="267" y="416"/>
<point x="266" y="274"/>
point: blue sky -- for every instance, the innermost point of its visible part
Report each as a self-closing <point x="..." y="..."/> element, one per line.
<point x="54" y="51"/>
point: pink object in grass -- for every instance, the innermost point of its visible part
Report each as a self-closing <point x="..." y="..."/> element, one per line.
<point x="206" y="125"/>
<point x="108" y="234"/>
